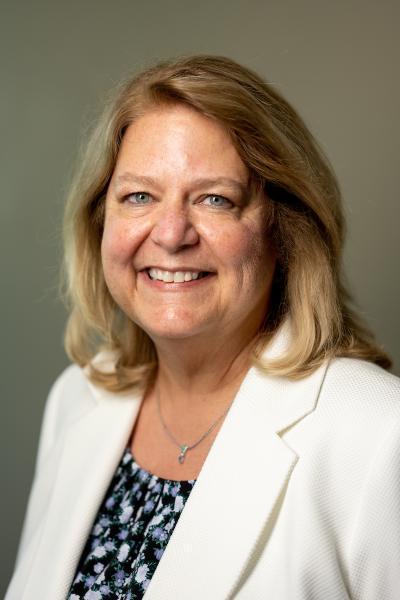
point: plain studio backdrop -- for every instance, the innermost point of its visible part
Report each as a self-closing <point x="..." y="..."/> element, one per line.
<point x="336" y="62"/>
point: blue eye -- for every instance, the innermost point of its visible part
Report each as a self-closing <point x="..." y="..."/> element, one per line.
<point x="218" y="201"/>
<point x="139" y="198"/>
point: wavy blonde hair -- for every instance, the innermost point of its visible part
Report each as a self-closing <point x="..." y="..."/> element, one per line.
<point x="306" y="224"/>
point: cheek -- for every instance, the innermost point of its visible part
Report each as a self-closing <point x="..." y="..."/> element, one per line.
<point x="246" y="251"/>
<point x="117" y="251"/>
<point x="118" y="244"/>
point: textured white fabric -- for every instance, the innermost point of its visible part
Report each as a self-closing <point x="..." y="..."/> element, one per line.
<point x="317" y="519"/>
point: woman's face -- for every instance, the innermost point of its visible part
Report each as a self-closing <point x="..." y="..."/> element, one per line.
<point x="184" y="248"/>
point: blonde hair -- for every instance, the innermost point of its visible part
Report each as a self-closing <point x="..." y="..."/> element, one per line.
<point x="306" y="223"/>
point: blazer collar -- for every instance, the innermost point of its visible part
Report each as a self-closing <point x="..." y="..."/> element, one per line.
<point x="222" y="519"/>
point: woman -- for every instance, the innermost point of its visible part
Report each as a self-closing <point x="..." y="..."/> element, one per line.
<point x="228" y="429"/>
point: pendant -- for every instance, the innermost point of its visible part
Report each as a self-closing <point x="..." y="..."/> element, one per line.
<point x="181" y="457"/>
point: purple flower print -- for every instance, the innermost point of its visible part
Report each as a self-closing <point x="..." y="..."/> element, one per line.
<point x="98" y="567"/>
<point x="95" y="543"/>
<point x="174" y="490"/>
<point x="144" y="476"/>
<point x="123" y="534"/>
<point x="110" y="502"/>
<point x="141" y="573"/>
<point x="159" y="534"/>
<point x="97" y="529"/>
<point x="89" y="581"/>
<point x="158" y="552"/>
<point x="126" y="514"/>
<point x="148" y="507"/>
<point x="119" y="577"/>
<point x="90" y="595"/>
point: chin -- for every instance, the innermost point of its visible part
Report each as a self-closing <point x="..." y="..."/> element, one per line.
<point x="171" y="331"/>
<point x="171" y="323"/>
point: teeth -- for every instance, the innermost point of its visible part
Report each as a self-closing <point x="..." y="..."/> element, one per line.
<point x="179" y="277"/>
<point x="169" y="276"/>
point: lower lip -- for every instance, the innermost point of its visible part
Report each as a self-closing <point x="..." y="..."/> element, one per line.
<point x="172" y="286"/>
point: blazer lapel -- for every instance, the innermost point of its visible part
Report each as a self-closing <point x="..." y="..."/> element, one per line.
<point x="92" y="449"/>
<point x="236" y="498"/>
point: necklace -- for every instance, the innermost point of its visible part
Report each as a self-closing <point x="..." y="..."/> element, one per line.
<point x="185" y="447"/>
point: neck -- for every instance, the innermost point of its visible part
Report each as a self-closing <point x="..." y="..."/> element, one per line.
<point x="201" y="374"/>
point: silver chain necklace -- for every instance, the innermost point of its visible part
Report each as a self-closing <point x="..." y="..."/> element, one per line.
<point x="185" y="447"/>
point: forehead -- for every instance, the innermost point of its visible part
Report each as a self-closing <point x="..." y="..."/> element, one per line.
<point x="179" y="141"/>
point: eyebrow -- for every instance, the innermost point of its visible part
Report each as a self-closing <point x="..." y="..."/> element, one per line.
<point x="196" y="183"/>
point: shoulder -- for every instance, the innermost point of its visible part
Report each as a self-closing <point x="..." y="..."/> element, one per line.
<point x="70" y="393"/>
<point x="72" y="376"/>
<point x="360" y="400"/>
<point x="363" y="373"/>
<point x="361" y="381"/>
<point x="69" y="398"/>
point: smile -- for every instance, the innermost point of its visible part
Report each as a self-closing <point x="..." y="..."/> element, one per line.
<point x="175" y="276"/>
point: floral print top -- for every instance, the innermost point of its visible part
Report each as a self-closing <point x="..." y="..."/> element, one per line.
<point x="129" y="535"/>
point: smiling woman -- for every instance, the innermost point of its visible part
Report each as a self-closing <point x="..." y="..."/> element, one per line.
<point x="227" y="417"/>
<point x="154" y="238"/>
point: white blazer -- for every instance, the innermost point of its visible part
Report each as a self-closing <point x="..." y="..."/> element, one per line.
<point x="298" y="499"/>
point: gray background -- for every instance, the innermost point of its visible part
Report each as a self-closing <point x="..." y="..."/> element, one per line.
<point x="337" y="62"/>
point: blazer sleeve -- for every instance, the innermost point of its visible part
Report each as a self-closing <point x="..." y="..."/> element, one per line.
<point x="375" y="546"/>
<point x="49" y="432"/>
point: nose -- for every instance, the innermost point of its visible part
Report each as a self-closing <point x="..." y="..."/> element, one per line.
<point x="173" y="228"/>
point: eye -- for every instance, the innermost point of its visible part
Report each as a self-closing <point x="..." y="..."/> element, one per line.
<point x="138" y="198"/>
<point x="218" y="201"/>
